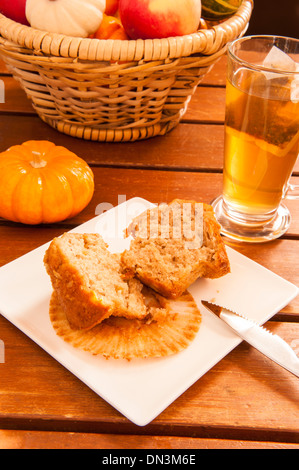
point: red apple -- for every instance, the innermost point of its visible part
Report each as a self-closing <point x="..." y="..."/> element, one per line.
<point x="14" y="9"/>
<point x="149" y="19"/>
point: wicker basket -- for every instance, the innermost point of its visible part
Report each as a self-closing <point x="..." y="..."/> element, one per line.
<point x="112" y="90"/>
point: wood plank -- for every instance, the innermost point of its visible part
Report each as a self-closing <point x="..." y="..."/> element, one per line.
<point x="11" y="439"/>
<point x="244" y="396"/>
<point x="188" y="146"/>
<point x="16" y="101"/>
<point x="112" y="185"/>
<point x="217" y="75"/>
<point x="163" y="186"/>
<point x="207" y="104"/>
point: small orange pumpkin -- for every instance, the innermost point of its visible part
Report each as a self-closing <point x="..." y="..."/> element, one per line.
<point x="110" y="28"/>
<point x="42" y="183"/>
<point x="111" y="7"/>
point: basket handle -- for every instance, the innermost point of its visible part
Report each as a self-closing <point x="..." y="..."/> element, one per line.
<point x="214" y="39"/>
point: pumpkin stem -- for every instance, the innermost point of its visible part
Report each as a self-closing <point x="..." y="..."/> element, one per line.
<point x="37" y="161"/>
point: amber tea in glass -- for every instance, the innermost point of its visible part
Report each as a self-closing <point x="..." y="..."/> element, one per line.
<point x="261" y="142"/>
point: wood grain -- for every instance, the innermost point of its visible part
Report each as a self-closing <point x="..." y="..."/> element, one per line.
<point x="162" y="186"/>
<point x="235" y="398"/>
<point x="68" y="440"/>
<point x="217" y="75"/>
<point x="245" y="400"/>
<point x="115" y="184"/>
<point x="188" y="147"/>
<point x="176" y="150"/>
<point x="16" y="101"/>
<point x="206" y="106"/>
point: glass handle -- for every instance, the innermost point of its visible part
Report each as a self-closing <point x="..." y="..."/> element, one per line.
<point x="292" y="191"/>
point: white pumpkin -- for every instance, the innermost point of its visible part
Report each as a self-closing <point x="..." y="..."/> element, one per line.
<point x="78" y="18"/>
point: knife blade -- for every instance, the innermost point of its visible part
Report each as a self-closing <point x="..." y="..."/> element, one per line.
<point x="271" y="345"/>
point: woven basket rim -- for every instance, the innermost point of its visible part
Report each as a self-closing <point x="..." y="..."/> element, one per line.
<point x="204" y="41"/>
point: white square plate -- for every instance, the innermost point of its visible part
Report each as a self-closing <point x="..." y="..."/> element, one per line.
<point x="141" y="389"/>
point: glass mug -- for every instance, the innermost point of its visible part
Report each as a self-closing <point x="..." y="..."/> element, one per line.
<point x="261" y="142"/>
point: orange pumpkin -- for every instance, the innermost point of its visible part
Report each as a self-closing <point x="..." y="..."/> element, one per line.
<point x="111" y="28"/>
<point x="43" y="183"/>
<point x="111" y="7"/>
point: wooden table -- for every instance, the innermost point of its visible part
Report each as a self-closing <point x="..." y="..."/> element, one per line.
<point x="245" y="401"/>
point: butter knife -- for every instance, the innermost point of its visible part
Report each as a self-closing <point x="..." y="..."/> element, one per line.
<point x="271" y="345"/>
